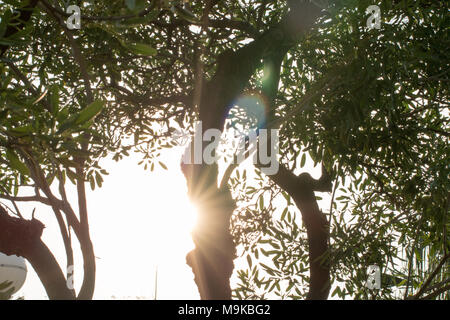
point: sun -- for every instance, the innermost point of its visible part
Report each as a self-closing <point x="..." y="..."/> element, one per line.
<point x="140" y="222"/>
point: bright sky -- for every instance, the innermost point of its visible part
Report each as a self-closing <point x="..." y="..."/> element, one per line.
<point x="140" y="221"/>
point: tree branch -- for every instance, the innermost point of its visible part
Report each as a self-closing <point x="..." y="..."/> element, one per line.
<point x="430" y="278"/>
<point x="82" y="233"/>
<point x="436" y="293"/>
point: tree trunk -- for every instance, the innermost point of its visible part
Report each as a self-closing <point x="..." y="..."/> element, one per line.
<point x="212" y="259"/>
<point x="317" y="229"/>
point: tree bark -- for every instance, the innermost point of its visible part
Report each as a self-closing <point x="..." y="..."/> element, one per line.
<point x="89" y="266"/>
<point x="301" y="188"/>
<point x="212" y="258"/>
<point x="87" y="249"/>
<point x="23" y="238"/>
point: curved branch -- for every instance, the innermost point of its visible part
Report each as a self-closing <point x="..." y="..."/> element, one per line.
<point x="301" y="188"/>
<point x="23" y="238"/>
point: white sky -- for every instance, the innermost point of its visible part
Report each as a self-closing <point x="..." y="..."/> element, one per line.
<point x="138" y="220"/>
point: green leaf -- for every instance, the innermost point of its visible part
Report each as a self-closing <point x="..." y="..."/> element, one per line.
<point x="62" y="115"/>
<point x="136" y="22"/>
<point x="16" y="163"/>
<point x="90" y="112"/>
<point x="73" y="177"/>
<point x="291" y="284"/>
<point x="21" y="131"/>
<point x="163" y="165"/>
<point x="287" y="197"/>
<point x="303" y="160"/>
<point x="140" y="49"/>
<point x="92" y="182"/>
<point x="283" y="215"/>
<point x="249" y="260"/>
<point x="66" y="125"/>
<point x="185" y="14"/>
<point x="98" y="179"/>
<point x="261" y="202"/>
